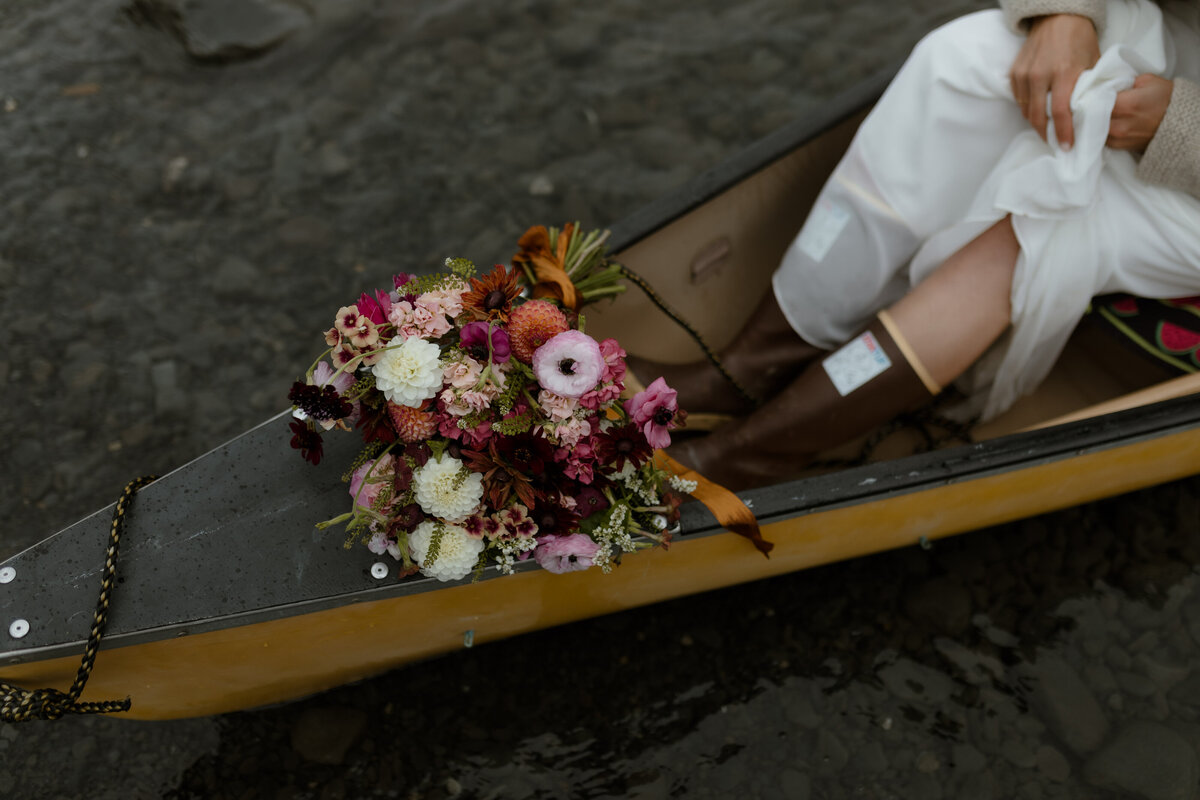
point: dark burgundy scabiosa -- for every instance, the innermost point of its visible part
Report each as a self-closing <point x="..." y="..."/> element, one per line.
<point x="590" y="501"/>
<point x="418" y="452"/>
<point x="307" y="441"/>
<point x="552" y="518"/>
<point x="406" y="519"/>
<point x="474" y="339"/>
<point x="526" y="454"/>
<point x="322" y="403"/>
<point x="622" y="445"/>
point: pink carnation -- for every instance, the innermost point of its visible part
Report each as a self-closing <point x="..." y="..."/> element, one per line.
<point x="559" y="554"/>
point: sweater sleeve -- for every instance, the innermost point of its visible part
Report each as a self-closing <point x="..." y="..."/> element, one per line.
<point x="1018" y="12"/>
<point x="1173" y="156"/>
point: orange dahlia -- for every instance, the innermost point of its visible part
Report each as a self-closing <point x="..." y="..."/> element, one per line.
<point x="412" y="424"/>
<point x="491" y="296"/>
<point x="532" y="325"/>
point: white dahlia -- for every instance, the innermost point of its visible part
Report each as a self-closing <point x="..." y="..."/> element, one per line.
<point x="445" y="488"/>
<point x="455" y="551"/>
<point x="410" y="374"/>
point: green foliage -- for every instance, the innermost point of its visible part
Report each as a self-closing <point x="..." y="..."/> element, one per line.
<point x="514" y="425"/>
<point x="366" y="454"/>
<point x="459" y="270"/>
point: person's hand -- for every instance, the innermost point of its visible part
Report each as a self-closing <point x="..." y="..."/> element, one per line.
<point x="1138" y="112"/>
<point x="1059" y="47"/>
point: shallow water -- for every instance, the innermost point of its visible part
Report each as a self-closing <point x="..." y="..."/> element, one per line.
<point x="173" y="231"/>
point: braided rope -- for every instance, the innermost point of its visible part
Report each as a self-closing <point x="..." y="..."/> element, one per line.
<point x="20" y="705"/>
<point x="678" y="319"/>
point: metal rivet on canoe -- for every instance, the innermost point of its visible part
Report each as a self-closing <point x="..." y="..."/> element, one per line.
<point x="7" y="574"/>
<point x="925" y="543"/>
<point x="19" y="628"/>
<point x="469" y="638"/>
<point x="379" y="570"/>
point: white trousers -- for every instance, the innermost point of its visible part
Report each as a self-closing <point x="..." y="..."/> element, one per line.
<point x="946" y="153"/>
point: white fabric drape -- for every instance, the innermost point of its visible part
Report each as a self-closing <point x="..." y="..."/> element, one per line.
<point x="946" y="153"/>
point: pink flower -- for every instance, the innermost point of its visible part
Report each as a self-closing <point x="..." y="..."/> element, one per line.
<point x="655" y="411"/>
<point x="559" y="554"/>
<point x="370" y="491"/>
<point x="463" y="373"/>
<point x="614" y="362"/>
<point x="572" y="432"/>
<point x="474" y="338"/>
<point x="570" y="364"/>
<point x="375" y="308"/>
<point x="556" y="407"/>
<point x="324" y="375"/>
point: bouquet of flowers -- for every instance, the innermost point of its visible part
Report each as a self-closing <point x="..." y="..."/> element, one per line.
<point x="493" y="425"/>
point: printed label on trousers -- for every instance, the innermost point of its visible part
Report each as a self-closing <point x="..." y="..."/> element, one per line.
<point x="824" y="224"/>
<point x="856" y="363"/>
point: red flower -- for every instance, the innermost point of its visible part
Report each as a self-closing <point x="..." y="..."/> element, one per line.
<point x="307" y="441"/>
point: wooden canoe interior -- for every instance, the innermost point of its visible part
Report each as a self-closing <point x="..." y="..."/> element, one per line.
<point x="714" y="263"/>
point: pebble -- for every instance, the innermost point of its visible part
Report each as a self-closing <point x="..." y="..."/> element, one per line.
<point x="1066" y="703"/>
<point x="1147" y="760"/>
<point x="1052" y="763"/>
<point x="927" y="762"/>
<point x="325" y="734"/>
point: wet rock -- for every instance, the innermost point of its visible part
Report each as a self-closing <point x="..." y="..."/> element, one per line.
<point x="979" y="786"/>
<point x="831" y="753"/>
<point x="168" y="396"/>
<point x="795" y="785"/>
<point x="967" y="759"/>
<point x="941" y="603"/>
<point x="237" y="277"/>
<point x="1066" y="703"/>
<point x="305" y="232"/>
<point x="1147" y="760"/>
<point x="869" y="758"/>
<point x="1018" y="753"/>
<point x="325" y="734"/>
<point x="222" y="30"/>
<point x="1052" y="764"/>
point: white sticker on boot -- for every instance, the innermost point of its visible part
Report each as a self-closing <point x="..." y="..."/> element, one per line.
<point x="856" y="363"/>
<point x="824" y="224"/>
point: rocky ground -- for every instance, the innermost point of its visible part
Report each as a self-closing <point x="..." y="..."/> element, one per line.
<point x="190" y="187"/>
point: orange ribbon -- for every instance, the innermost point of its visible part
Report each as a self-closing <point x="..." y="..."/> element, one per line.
<point x="549" y="266"/>
<point x="730" y="511"/>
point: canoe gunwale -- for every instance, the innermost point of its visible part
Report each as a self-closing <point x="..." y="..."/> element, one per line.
<point x="805" y="496"/>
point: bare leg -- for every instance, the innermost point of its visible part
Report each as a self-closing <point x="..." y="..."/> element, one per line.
<point x="945" y="324"/>
<point x="956" y="313"/>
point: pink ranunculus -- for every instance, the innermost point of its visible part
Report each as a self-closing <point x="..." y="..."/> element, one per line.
<point x="570" y="364"/>
<point x="559" y="554"/>
<point x="654" y="411"/>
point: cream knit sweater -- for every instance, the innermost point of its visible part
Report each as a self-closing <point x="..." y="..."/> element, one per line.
<point x="1173" y="155"/>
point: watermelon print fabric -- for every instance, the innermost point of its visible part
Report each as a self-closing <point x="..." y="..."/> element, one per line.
<point x="1168" y="330"/>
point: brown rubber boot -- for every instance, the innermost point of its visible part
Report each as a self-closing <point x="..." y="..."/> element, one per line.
<point x="764" y="357"/>
<point x="811" y="415"/>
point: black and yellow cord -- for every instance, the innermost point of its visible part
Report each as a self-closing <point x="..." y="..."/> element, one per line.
<point x="18" y="704"/>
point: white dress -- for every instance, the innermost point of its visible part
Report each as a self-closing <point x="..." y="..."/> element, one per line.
<point x="946" y="153"/>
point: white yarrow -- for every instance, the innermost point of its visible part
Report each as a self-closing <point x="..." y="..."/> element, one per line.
<point x="457" y="552"/>
<point x="410" y="374"/>
<point x="445" y="488"/>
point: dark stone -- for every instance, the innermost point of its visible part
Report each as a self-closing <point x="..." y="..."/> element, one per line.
<point x="1147" y="760"/>
<point x="325" y="734"/>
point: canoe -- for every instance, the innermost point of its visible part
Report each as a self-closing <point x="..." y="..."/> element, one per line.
<point x="229" y="598"/>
